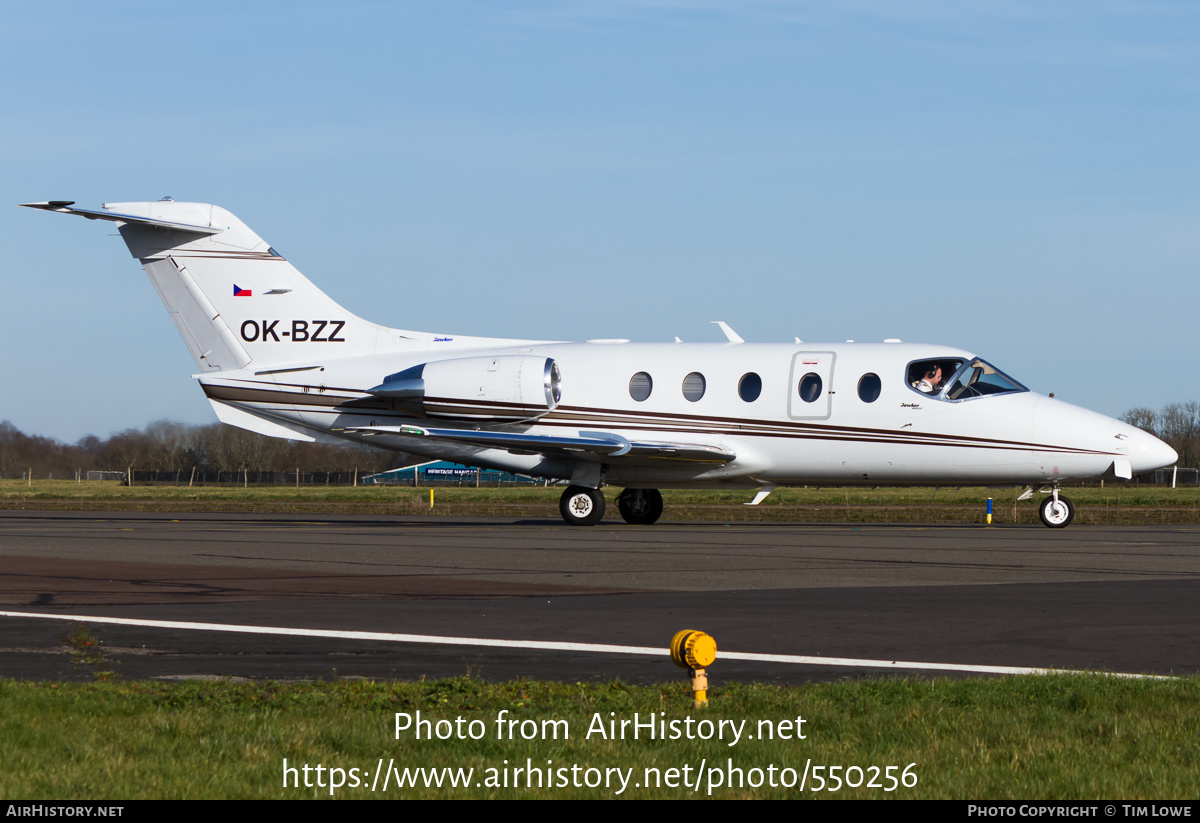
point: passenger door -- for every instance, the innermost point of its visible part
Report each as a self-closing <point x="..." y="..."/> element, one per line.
<point x="810" y="389"/>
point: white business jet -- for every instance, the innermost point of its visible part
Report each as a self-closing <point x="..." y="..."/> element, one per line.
<point x="279" y="357"/>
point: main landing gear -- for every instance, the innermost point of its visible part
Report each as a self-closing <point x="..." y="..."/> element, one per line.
<point x="1056" y="511"/>
<point x="581" y="506"/>
<point x="641" y="507"/>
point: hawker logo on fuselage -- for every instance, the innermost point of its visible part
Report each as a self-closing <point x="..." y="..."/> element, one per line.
<point x="300" y="331"/>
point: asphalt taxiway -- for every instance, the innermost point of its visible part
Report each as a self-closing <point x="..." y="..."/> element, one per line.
<point x="1085" y="598"/>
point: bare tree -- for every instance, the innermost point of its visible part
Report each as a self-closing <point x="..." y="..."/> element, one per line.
<point x="1179" y="427"/>
<point x="174" y="448"/>
<point x="1142" y="418"/>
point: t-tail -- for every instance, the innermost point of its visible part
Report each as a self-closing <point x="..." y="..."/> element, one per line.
<point x="235" y="300"/>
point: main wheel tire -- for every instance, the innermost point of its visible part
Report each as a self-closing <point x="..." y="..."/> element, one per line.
<point x="641" y="507"/>
<point x="581" y="506"/>
<point x="1057" y="516"/>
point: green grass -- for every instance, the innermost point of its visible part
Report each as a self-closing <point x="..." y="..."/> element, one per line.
<point x="1113" y="504"/>
<point x="1058" y="737"/>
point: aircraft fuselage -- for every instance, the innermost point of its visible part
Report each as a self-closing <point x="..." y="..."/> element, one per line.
<point x="902" y="436"/>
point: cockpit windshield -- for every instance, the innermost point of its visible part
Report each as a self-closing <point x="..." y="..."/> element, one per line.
<point x="978" y="378"/>
<point x="957" y="379"/>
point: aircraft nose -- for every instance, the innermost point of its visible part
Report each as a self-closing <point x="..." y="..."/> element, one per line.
<point x="1147" y="452"/>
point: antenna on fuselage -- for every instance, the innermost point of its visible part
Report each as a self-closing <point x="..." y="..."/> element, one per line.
<point x="730" y="334"/>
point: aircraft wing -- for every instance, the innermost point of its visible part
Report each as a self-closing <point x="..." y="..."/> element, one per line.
<point x="587" y="445"/>
<point x="64" y="207"/>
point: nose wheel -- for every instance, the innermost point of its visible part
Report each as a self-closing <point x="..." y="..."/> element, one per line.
<point x="641" y="507"/>
<point x="1056" y="511"/>
<point x="581" y="506"/>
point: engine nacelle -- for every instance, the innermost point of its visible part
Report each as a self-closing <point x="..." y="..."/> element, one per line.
<point x="509" y="387"/>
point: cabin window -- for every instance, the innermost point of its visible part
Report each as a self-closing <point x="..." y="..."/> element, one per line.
<point x="810" y="387"/>
<point x="750" y="387"/>
<point x="869" y="386"/>
<point x="640" y="386"/>
<point x="693" y="386"/>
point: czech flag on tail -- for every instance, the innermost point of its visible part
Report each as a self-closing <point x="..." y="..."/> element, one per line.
<point x="240" y="292"/>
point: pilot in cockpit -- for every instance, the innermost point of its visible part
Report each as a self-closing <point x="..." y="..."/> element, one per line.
<point x="931" y="382"/>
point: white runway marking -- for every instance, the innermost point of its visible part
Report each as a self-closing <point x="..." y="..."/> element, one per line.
<point x="545" y="645"/>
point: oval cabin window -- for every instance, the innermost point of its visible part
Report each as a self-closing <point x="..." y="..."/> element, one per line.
<point x="750" y="387"/>
<point x="869" y="386"/>
<point x="640" y="386"/>
<point x="810" y="387"/>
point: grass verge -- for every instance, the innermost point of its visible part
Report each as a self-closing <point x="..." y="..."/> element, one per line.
<point x="1054" y="737"/>
<point x="1112" y="505"/>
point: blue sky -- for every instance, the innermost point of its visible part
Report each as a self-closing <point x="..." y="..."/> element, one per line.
<point x="1019" y="179"/>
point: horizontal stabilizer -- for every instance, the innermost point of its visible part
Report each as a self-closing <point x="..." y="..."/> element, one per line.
<point x="233" y="416"/>
<point x="64" y="207"/>
<point x="599" y="444"/>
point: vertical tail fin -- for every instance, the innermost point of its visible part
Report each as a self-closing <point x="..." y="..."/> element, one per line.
<point x="234" y="299"/>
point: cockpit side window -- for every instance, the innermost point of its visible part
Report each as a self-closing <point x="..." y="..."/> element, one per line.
<point x="981" y="378"/>
<point x="930" y="377"/>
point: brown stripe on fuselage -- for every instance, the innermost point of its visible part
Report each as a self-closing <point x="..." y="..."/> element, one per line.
<point x="585" y="416"/>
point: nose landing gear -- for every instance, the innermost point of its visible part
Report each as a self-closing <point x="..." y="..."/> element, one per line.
<point x="1056" y="511"/>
